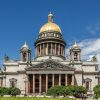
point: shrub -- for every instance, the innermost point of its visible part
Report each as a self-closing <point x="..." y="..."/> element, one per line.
<point x="79" y="90"/>
<point x="15" y="91"/>
<point x="96" y="90"/>
<point x="66" y="90"/>
<point x="56" y="90"/>
<point x="9" y="91"/>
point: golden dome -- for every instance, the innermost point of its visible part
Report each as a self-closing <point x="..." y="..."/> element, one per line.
<point x="50" y="26"/>
<point x="75" y="46"/>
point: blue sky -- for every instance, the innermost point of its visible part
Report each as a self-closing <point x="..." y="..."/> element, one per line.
<point x="20" y="21"/>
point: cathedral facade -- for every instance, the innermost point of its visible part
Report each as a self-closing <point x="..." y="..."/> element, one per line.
<point x="50" y="66"/>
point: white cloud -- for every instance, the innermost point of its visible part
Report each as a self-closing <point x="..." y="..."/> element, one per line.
<point x="89" y="47"/>
<point x="94" y="29"/>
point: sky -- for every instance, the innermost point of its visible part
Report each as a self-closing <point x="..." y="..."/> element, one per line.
<point x="21" y="20"/>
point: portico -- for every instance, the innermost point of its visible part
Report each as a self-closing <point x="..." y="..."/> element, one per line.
<point x="42" y="76"/>
<point x="39" y="83"/>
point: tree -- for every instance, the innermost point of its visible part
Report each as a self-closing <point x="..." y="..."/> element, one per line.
<point x="96" y="90"/>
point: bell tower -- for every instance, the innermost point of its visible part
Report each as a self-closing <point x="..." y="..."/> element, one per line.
<point x="75" y="53"/>
<point x="25" y="53"/>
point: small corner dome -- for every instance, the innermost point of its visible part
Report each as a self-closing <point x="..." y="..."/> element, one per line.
<point x="75" y="46"/>
<point x="50" y="26"/>
<point x="25" y="47"/>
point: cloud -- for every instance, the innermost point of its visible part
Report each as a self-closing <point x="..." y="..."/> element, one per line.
<point x="89" y="47"/>
<point x="93" y="29"/>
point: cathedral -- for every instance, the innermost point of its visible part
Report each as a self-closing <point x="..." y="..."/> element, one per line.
<point x="50" y="65"/>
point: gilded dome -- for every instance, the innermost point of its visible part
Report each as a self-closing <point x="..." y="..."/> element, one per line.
<point x="50" y="26"/>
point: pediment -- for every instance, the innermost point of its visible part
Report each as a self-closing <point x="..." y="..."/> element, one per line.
<point x="88" y="79"/>
<point x="50" y="65"/>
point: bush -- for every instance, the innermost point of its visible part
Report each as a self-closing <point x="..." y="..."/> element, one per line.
<point x="9" y="91"/>
<point x="66" y="90"/>
<point x="15" y="91"/>
<point x="79" y="90"/>
<point x="96" y="90"/>
<point x="56" y="90"/>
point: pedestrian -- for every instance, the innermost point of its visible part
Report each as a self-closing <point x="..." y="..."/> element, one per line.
<point x="82" y="96"/>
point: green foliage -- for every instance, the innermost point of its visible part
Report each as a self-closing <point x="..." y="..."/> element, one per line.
<point x="80" y="90"/>
<point x="9" y="91"/>
<point x="15" y="91"/>
<point x="55" y="91"/>
<point x="97" y="91"/>
<point x="66" y="90"/>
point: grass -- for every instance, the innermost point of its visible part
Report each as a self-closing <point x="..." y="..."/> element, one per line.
<point x="30" y="98"/>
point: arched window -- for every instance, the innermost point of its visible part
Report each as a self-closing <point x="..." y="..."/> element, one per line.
<point x="13" y="82"/>
<point x="24" y="57"/>
<point x="75" y="56"/>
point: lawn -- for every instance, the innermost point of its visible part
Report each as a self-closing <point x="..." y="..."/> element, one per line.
<point x="25" y="98"/>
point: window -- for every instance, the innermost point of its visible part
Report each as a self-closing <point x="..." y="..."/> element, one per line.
<point x="45" y="47"/>
<point x="75" y="56"/>
<point x="39" y="49"/>
<point x="87" y="85"/>
<point x="24" y="57"/>
<point x="13" y="82"/>
<point x="57" y="49"/>
<point x="42" y="49"/>
<point x="60" y="49"/>
<point x="96" y="68"/>
<point x="98" y="80"/>
<point x="52" y="34"/>
<point x="57" y="35"/>
<point x="49" y="49"/>
<point x="53" y="48"/>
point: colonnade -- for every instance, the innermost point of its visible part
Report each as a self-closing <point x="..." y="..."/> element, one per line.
<point x="50" y="49"/>
<point x="41" y="83"/>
